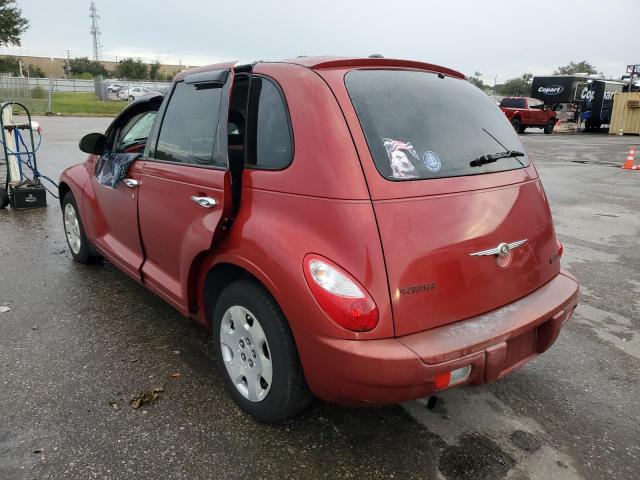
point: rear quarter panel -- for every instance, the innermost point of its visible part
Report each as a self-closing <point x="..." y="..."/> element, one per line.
<point x="274" y="231"/>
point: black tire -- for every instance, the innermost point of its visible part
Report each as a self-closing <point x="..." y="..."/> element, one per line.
<point x="85" y="254"/>
<point x="131" y="98"/>
<point x="4" y="198"/>
<point x="288" y="392"/>
<point x="517" y="126"/>
<point x="548" y="128"/>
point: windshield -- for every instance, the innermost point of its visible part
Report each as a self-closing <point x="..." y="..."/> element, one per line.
<point x="419" y="125"/>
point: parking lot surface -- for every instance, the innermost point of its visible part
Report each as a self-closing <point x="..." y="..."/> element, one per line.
<point x="78" y="343"/>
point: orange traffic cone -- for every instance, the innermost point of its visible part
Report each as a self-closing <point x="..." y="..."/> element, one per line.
<point x="628" y="163"/>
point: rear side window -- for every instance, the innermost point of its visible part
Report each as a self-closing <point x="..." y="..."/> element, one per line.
<point x="533" y="103"/>
<point x="189" y="125"/>
<point x="419" y="125"/>
<point x="273" y="148"/>
<point x="512" y="103"/>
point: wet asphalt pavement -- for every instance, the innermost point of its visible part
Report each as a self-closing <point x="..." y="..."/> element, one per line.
<point x="79" y="343"/>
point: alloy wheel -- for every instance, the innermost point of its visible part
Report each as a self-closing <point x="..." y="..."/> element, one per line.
<point x="72" y="228"/>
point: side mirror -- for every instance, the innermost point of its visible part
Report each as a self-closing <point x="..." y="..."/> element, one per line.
<point x="93" y="143"/>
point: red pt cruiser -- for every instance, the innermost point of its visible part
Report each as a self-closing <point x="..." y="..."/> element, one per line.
<point x="367" y="231"/>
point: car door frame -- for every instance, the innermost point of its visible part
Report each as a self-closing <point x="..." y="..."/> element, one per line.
<point x="204" y="234"/>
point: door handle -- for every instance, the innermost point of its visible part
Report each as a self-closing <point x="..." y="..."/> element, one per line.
<point x="131" y="183"/>
<point x="205" y="202"/>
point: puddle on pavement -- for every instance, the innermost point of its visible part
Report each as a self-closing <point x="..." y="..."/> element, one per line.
<point x="485" y="439"/>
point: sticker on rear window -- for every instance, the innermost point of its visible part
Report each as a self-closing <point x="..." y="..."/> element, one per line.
<point x="401" y="165"/>
<point x="432" y="161"/>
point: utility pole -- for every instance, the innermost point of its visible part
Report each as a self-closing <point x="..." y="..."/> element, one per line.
<point x="67" y="67"/>
<point x="631" y="70"/>
<point x="95" y="31"/>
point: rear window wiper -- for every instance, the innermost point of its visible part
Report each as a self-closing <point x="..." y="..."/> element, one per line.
<point x="490" y="158"/>
<point x="484" y="159"/>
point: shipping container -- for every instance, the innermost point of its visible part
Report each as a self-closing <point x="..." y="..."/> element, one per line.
<point x="626" y="113"/>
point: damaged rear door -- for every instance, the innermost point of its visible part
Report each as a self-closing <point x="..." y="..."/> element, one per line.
<point x="185" y="184"/>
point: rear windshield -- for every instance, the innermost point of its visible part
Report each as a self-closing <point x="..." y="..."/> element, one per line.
<point x="419" y="125"/>
<point x="512" y="103"/>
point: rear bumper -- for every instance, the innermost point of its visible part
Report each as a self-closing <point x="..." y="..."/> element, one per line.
<point x="393" y="370"/>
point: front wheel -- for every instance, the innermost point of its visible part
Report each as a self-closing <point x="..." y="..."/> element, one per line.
<point x="548" y="128"/>
<point x="81" y="249"/>
<point x="131" y="98"/>
<point x="256" y="353"/>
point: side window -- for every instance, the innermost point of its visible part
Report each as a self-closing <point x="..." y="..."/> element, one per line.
<point x="189" y="125"/>
<point x="136" y="131"/>
<point x="273" y="148"/>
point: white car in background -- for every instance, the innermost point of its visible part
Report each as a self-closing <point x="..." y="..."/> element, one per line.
<point x="113" y="87"/>
<point x="133" y="93"/>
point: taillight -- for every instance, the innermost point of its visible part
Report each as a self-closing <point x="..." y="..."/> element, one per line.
<point x="560" y="248"/>
<point x="340" y="295"/>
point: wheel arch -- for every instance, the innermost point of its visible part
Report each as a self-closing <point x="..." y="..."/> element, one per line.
<point x="63" y="189"/>
<point x="210" y="276"/>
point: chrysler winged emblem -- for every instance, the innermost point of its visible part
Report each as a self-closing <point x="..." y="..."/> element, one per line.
<point x="501" y="250"/>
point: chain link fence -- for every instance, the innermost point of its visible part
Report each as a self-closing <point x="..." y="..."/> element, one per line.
<point x="36" y="93"/>
<point x="21" y="90"/>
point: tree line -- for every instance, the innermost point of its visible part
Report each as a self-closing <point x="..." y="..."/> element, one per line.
<point x="129" y="68"/>
<point x="83" y="68"/>
<point x="521" y="86"/>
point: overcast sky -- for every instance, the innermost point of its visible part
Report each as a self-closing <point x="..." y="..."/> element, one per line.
<point x="502" y="38"/>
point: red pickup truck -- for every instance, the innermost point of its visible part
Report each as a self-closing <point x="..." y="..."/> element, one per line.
<point x="525" y="112"/>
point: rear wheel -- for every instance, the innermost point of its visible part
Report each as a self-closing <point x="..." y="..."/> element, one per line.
<point x="81" y="249"/>
<point x="256" y="353"/>
<point x="517" y="126"/>
<point x="131" y="98"/>
<point x="548" y="128"/>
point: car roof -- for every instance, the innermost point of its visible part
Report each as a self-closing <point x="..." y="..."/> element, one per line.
<point x="325" y="62"/>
